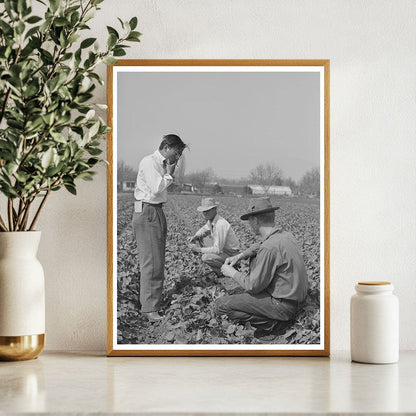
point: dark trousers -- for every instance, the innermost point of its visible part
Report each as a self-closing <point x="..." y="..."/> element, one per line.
<point x="215" y="261"/>
<point x="150" y="231"/>
<point x="261" y="310"/>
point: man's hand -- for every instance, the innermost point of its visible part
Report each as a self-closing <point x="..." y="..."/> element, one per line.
<point x="231" y="261"/>
<point x="228" y="271"/>
<point x="170" y="167"/>
<point x="195" y="248"/>
<point x="192" y="239"/>
<point x="196" y="240"/>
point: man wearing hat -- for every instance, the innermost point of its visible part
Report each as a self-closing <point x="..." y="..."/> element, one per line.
<point x="224" y="241"/>
<point x="277" y="282"/>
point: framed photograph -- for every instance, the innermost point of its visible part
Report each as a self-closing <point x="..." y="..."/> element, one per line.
<point x="218" y="208"/>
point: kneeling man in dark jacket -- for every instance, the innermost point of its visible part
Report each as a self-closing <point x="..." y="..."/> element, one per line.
<point x="277" y="283"/>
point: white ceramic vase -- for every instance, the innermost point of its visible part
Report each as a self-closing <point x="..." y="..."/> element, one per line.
<point x="22" y="296"/>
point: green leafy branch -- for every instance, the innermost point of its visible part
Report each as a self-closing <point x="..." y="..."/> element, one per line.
<point x="50" y="134"/>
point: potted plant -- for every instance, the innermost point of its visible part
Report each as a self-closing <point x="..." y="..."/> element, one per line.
<point x="50" y="136"/>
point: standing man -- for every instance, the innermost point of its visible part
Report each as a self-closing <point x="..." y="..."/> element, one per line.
<point x="277" y="282"/>
<point x="224" y="241"/>
<point x="149" y="222"/>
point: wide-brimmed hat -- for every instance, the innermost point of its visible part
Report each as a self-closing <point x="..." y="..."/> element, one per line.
<point x="258" y="206"/>
<point x="207" y="204"/>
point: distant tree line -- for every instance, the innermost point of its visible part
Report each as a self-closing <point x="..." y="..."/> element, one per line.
<point x="125" y="173"/>
<point x="310" y="183"/>
<point x="265" y="175"/>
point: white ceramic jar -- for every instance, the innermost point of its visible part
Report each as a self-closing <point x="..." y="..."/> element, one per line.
<point x="374" y="323"/>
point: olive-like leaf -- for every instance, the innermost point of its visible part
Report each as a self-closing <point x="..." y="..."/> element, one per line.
<point x="86" y="43"/>
<point x="54" y="4"/>
<point x="61" y="21"/>
<point x="20" y="28"/>
<point x="119" y="52"/>
<point x="71" y="188"/>
<point x="33" y="19"/>
<point x="112" y="41"/>
<point x="94" y="129"/>
<point x="110" y="61"/>
<point x="112" y="31"/>
<point x="58" y="137"/>
<point x="47" y="158"/>
<point x="133" y="23"/>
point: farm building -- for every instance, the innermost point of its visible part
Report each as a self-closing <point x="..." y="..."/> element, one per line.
<point x="184" y="188"/>
<point x="126" y="186"/>
<point x="236" y="189"/>
<point x="216" y="188"/>
<point x="187" y="187"/>
<point x="273" y="190"/>
<point x="208" y="189"/>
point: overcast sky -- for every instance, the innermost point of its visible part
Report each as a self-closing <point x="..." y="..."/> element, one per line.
<point x="231" y="121"/>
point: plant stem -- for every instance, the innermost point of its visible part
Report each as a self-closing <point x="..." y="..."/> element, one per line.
<point x="39" y="209"/>
<point x="10" y="213"/>
<point x="32" y="149"/>
<point x="3" y="109"/>
<point x="17" y="217"/>
<point x="20" y="212"/>
<point x="2" y="224"/>
<point x="27" y="206"/>
<point x="26" y="216"/>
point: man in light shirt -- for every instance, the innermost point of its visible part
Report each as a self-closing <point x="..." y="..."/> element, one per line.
<point x="149" y="222"/>
<point x="224" y="241"/>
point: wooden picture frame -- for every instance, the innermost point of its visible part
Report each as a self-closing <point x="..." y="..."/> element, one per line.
<point x="287" y="103"/>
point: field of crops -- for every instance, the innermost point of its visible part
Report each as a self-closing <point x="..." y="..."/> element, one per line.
<point x="190" y="288"/>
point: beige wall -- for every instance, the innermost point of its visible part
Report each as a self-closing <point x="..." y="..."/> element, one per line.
<point x="371" y="45"/>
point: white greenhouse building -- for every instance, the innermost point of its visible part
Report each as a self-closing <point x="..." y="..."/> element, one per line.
<point x="273" y="190"/>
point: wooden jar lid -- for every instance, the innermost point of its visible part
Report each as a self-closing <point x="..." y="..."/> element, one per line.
<point x="374" y="283"/>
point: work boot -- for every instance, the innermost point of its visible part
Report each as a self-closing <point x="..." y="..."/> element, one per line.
<point x="152" y="316"/>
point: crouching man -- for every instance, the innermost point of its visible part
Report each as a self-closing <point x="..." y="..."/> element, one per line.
<point x="224" y="241"/>
<point x="277" y="282"/>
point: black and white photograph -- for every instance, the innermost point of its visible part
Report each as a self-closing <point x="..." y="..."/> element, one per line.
<point x="218" y="221"/>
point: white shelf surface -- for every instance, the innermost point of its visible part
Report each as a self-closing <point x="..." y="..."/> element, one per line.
<point x="86" y="383"/>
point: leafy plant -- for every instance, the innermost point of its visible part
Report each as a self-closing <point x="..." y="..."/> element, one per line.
<point x="190" y="288"/>
<point x="50" y="133"/>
